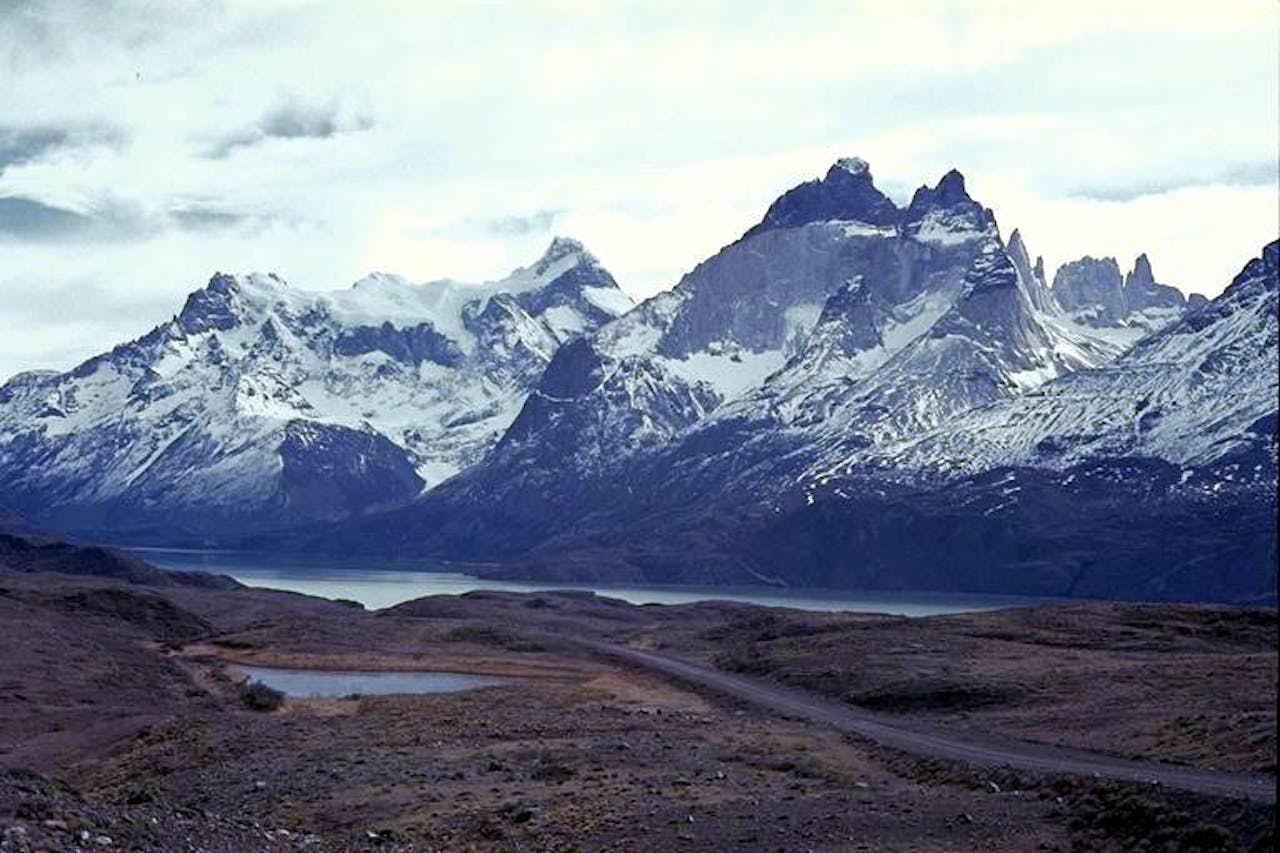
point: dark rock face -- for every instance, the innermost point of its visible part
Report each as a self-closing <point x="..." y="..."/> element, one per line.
<point x="848" y="320"/>
<point x="576" y="370"/>
<point x="214" y="307"/>
<point x="413" y="345"/>
<point x="336" y="472"/>
<point x="741" y="294"/>
<point x="846" y="194"/>
<point x="1111" y="532"/>
<point x="949" y="194"/>
<point x="568" y="289"/>
<point x="1092" y="283"/>
<point x="1142" y="291"/>
<point x="1093" y="286"/>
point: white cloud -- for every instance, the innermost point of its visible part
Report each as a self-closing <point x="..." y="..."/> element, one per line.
<point x="325" y="139"/>
<point x="1177" y="229"/>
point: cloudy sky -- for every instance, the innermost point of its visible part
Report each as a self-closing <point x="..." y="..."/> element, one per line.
<point x="144" y="145"/>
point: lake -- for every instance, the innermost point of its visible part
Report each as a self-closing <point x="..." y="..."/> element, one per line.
<point x="379" y="584"/>
<point x="327" y="684"/>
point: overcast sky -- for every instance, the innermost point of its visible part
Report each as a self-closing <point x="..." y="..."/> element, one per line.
<point x="144" y="145"/>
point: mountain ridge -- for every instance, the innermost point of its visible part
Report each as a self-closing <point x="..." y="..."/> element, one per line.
<point x="261" y="404"/>
<point x="572" y="470"/>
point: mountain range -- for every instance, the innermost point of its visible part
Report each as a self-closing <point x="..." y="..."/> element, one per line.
<point x="852" y="394"/>
<point x="259" y="405"/>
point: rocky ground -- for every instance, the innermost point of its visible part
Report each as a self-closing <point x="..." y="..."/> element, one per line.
<point x="121" y="725"/>
<point x="1185" y="684"/>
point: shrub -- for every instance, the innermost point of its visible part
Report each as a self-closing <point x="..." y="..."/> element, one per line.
<point x="486" y="636"/>
<point x="257" y="696"/>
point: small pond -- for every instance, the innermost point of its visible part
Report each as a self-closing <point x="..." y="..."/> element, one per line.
<point x="327" y="684"/>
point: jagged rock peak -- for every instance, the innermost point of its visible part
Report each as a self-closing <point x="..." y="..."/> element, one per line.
<point x="229" y="281"/>
<point x="560" y="249"/>
<point x="992" y="269"/>
<point x="221" y="281"/>
<point x="852" y="165"/>
<point x="1086" y="280"/>
<point x="952" y="185"/>
<point x="1142" y="269"/>
<point x="561" y="246"/>
<point x="990" y="302"/>
<point x="1016" y="243"/>
<point x="1271" y="260"/>
<point x="946" y="215"/>
<point x="950" y="192"/>
<point x="214" y="305"/>
<point x="846" y="193"/>
<point x="1142" y="291"/>
<point x="1031" y="277"/>
<point x="1261" y="274"/>
<point x="1017" y="249"/>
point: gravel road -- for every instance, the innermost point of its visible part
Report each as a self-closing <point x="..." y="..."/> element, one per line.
<point x="1019" y="755"/>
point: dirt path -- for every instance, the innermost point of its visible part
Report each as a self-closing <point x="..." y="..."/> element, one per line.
<point x="1018" y="755"/>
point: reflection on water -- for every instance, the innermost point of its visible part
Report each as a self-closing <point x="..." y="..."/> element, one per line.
<point x="322" y="684"/>
<point x="378" y="584"/>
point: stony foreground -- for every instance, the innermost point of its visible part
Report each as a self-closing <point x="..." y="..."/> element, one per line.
<point x="121" y="725"/>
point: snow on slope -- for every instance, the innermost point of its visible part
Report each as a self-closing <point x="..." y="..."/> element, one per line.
<point x="727" y="326"/>
<point x="838" y="322"/>
<point x="885" y="361"/>
<point x="406" y="383"/>
<point x="1192" y="393"/>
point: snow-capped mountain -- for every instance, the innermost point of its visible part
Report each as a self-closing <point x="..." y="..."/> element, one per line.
<point x="1195" y="392"/>
<point x="840" y="323"/>
<point x="853" y="393"/>
<point x="1150" y="477"/>
<point x="877" y="328"/>
<point x="879" y="320"/>
<point x="262" y="404"/>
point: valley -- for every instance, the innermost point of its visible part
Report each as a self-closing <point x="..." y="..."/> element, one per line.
<point x="589" y="427"/>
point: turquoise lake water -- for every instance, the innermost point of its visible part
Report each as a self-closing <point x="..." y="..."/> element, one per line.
<point x="384" y="584"/>
<point x="325" y="684"/>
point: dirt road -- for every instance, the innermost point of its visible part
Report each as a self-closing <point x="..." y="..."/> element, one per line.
<point x="1032" y="757"/>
